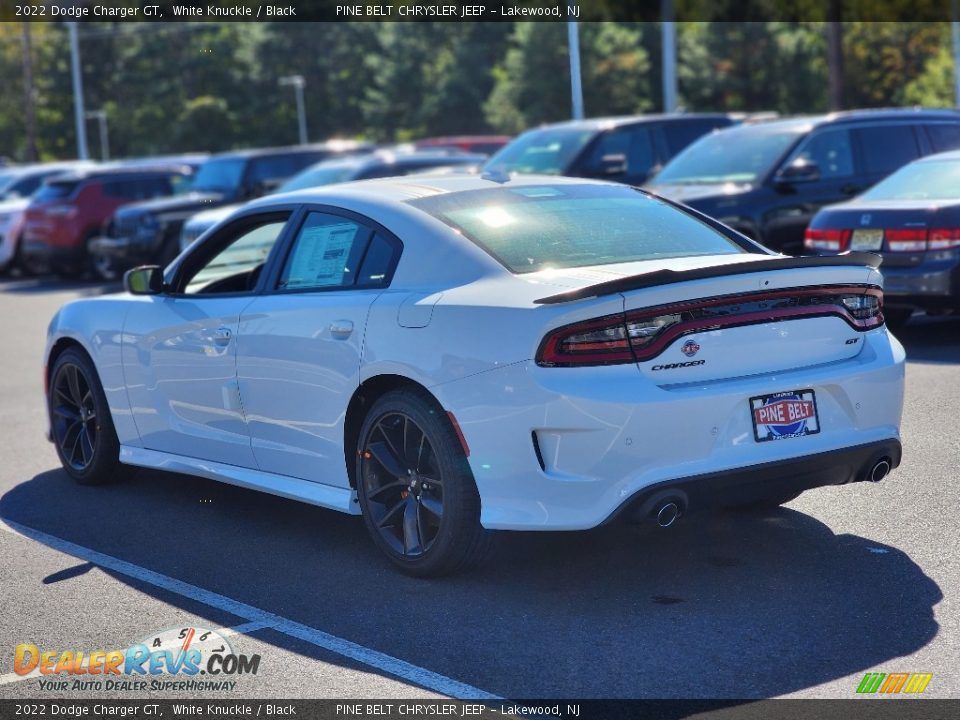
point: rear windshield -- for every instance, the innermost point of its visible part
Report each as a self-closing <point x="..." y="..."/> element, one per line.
<point x="55" y="191"/>
<point x="530" y="228"/>
<point x="927" y="180"/>
<point x="544" y="152"/>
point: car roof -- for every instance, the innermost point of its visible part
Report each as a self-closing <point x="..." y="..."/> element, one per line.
<point x="331" y="146"/>
<point x="120" y="172"/>
<point x="411" y="187"/>
<point x="809" y="122"/>
<point x="949" y="155"/>
<point x="605" y="123"/>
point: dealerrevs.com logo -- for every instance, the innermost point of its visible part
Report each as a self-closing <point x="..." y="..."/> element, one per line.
<point x="894" y="683"/>
<point x="184" y="654"/>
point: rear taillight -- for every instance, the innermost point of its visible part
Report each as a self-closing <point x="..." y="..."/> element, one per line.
<point x="906" y="240"/>
<point x="641" y="335"/>
<point x="826" y="239"/>
<point x="944" y="239"/>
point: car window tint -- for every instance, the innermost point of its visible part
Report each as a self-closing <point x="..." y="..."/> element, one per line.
<point x="378" y="262"/>
<point x="55" y="191"/>
<point x="325" y="253"/>
<point x="885" y="148"/>
<point x="635" y="144"/>
<point x="944" y="137"/>
<point x="235" y="267"/>
<point x="680" y="134"/>
<point x="279" y="167"/>
<point x="830" y="150"/>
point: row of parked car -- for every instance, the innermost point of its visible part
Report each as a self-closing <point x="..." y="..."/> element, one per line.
<point x="804" y="185"/>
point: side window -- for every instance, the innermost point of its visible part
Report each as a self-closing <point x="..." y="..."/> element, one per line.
<point x="884" y="148"/>
<point x="267" y="171"/>
<point x="633" y="143"/>
<point x="378" y="262"/>
<point x="830" y="150"/>
<point x="944" y="137"/>
<point x="337" y="252"/>
<point x="236" y="263"/>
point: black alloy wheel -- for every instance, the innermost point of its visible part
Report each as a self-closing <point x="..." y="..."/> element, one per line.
<point x="74" y="417"/>
<point x="404" y="486"/>
<point x="419" y="499"/>
<point x="81" y="426"/>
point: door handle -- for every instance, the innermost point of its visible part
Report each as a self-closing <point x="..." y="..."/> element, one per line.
<point x="341" y="329"/>
<point x="850" y="189"/>
<point x="222" y="336"/>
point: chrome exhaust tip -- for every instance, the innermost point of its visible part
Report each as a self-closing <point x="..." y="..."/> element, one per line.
<point x="668" y="513"/>
<point x="879" y="471"/>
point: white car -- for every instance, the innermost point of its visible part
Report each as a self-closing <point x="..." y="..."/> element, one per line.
<point x="451" y="355"/>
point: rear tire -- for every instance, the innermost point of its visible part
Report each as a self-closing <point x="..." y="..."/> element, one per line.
<point x="81" y="425"/>
<point x="418" y="496"/>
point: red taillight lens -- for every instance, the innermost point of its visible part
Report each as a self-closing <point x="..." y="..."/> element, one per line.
<point x="595" y="342"/>
<point x="944" y="239"/>
<point x="906" y="240"/>
<point x="641" y="335"/>
<point x="825" y="239"/>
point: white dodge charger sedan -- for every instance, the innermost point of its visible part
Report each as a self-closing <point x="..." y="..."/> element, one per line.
<point x="452" y="355"/>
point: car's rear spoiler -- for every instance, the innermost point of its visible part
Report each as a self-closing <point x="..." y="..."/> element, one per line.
<point x="668" y="277"/>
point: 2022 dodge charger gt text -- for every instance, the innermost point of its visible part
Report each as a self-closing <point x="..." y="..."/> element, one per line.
<point x="452" y="355"/>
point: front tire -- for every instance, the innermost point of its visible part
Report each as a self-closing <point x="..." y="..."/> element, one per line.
<point x="82" y="428"/>
<point x="419" y="499"/>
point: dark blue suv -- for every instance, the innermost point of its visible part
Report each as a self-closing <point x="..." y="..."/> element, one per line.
<point x="768" y="179"/>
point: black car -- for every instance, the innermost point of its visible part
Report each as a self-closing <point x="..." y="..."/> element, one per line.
<point x="379" y="164"/>
<point x="150" y="232"/>
<point x="621" y="149"/>
<point x="767" y="179"/>
<point x="913" y="220"/>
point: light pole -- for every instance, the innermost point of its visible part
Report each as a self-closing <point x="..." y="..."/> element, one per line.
<point x="576" y="86"/>
<point x="669" y="56"/>
<point x="101" y="117"/>
<point x="298" y="83"/>
<point x="77" y="92"/>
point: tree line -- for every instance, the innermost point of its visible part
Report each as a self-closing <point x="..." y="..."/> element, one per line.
<point x="181" y="87"/>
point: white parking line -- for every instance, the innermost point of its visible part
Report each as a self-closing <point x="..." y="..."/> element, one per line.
<point x="225" y="632"/>
<point x="372" y="658"/>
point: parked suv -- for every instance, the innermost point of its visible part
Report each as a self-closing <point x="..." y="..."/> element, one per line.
<point x="379" y="164"/>
<point x="621" y="149"/>
<point x="20" y="183"/>
<point x="66" y="213"/>
<point x="767" y="179"/>
<point x="144" y="233"/>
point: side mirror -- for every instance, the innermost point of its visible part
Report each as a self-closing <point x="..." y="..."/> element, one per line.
<point x="799" y="170"/>
<point x="144" y="280"/>
<point x="613" y="164"/>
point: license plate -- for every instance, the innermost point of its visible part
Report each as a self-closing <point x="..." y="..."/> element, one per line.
<point x="866" y="240"/>
<point x="784" y="415"/>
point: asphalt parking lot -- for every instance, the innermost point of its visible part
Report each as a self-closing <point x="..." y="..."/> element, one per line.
<point x="797" y="602"/>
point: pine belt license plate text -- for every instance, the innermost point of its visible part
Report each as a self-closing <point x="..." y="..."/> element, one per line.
<point x="784" y="415"/>
<point x="866" y="240"/>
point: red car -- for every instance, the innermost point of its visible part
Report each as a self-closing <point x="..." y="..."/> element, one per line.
<point x="484" y="144"/>
<point x="68" y="211"/>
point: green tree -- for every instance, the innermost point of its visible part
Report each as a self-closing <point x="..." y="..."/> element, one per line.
<point x="532" y="84"/>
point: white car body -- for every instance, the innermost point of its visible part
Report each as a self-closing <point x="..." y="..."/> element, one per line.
<point x="270" y="409"/>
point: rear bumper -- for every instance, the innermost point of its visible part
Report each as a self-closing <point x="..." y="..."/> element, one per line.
<point x="781" y="478"/>
<point x="566" y="449"/>
<point x="40" y="252"/>
<point x="930" y="284"/>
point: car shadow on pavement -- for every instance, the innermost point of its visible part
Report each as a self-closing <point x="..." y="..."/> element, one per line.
<point x="725" y="605"/>
<point x="931" y="339"/>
